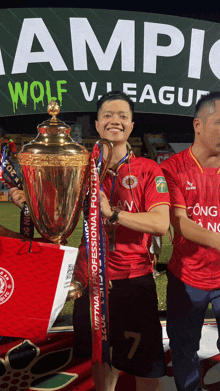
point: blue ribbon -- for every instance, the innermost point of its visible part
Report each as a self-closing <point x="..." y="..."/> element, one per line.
<point x="8" y="168"/>
<point x="115" y="174"/>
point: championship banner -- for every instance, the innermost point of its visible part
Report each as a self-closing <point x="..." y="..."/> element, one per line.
<point x="34" y="282"/>
<point x="74" y="55"/>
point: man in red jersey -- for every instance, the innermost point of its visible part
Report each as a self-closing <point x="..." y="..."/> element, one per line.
<point x="135" y="204"/>
<point x="193" y="178"/>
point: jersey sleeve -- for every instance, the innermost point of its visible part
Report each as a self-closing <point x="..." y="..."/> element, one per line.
<point x="156" y="190"/>
<point x="170" y="170"/>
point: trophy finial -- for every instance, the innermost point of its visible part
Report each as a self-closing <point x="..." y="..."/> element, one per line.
<point x="53" y="109"/>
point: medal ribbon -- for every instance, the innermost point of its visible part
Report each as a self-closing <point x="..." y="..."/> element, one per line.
<point x="115" y="175"/>
<point x="96" y="246"/>
<point x="103" y="256"/>
<point x="26" y="224"/>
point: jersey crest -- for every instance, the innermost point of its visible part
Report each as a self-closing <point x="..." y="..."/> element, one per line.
<point x="130" y="181"/>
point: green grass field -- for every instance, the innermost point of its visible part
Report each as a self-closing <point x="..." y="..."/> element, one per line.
<point x="10" y="218"/>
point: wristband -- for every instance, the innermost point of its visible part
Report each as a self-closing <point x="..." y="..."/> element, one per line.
<point x="114" y="216"/>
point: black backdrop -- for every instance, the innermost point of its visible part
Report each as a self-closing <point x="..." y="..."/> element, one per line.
<point x="175" y="128"/>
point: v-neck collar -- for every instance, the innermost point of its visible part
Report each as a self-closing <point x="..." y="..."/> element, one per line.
<point x="202" y="169"/>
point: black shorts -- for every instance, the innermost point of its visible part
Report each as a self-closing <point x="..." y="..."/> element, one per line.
<point x="135" y="329"/>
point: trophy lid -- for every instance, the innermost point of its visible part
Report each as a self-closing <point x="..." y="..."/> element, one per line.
<point x="53" y="138"/>
<point x="53" y="125"/>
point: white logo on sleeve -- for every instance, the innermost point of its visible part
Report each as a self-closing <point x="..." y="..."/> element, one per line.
<point x="190" y="186"/>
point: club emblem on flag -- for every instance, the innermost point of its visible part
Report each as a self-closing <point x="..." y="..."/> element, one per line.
<point x="130" y="181"/>
<point x="6" y="285"/>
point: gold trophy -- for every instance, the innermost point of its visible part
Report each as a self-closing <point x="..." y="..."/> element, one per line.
<point x="54" y="174"/>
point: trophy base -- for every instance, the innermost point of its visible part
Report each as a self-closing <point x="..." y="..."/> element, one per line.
<point x="75" y="291"/>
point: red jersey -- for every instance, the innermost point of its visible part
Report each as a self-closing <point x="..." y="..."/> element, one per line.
<point x="138" y="189"/>
<point x="196" y="189"/>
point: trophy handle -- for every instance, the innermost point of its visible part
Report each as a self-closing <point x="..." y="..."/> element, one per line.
<point x="109" y="145"/>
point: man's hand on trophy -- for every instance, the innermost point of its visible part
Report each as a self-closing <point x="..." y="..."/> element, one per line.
<point x="17" y="196"/>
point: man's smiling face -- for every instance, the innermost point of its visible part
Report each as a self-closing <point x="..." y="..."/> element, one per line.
<point x="115" y="121"/>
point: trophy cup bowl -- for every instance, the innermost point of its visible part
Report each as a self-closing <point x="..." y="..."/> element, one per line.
<point x="54" y="169"/>
<point x="54" y="175"/>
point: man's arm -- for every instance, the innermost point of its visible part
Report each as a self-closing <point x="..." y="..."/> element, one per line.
<point x="155" y="222"/>
<point x="11" y="234"/>
<point x="192" y="231"/>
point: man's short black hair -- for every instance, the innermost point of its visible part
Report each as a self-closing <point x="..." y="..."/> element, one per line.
<point x="115" y="95"/>
<point x="207" y="100"/>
